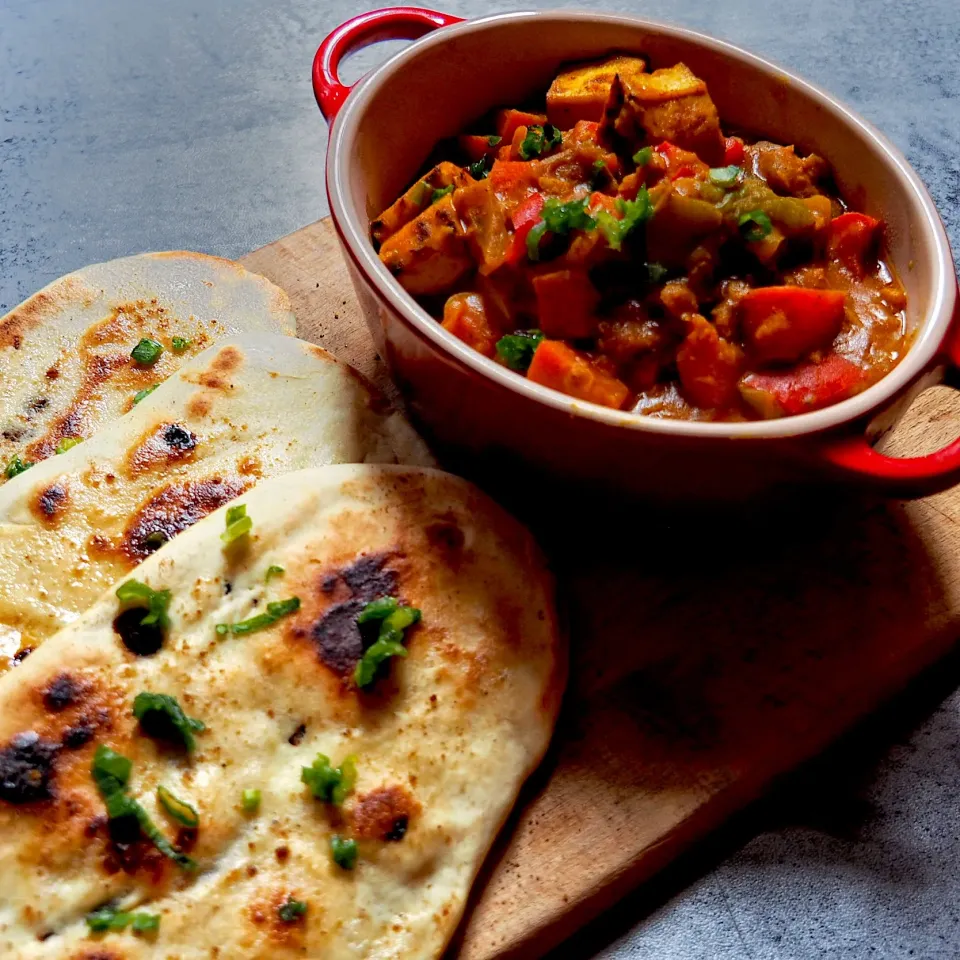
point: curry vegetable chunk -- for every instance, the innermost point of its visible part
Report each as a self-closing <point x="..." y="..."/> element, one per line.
<point x="621" y="247"/>
<point x="581" y="92"/>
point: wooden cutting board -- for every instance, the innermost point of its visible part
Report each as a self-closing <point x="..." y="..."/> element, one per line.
<point x="707" y="656"/>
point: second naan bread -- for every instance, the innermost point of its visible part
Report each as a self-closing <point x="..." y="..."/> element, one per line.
<point x="253" y="407"/>
<point x="65" y="363"/>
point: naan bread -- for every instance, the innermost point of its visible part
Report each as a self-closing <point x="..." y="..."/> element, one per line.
<point x="251" y="407"/>
<point x="443" y="741"/>
<point x="65" y="365"/>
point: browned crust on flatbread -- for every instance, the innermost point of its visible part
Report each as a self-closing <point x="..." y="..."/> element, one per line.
<point x="39" y="308"/>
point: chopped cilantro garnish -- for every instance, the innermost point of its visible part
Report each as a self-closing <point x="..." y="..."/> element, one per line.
<point x="539" y="140"/>
<point x="67" y="443"/>
<point x="389" y="642"/>
<point x="274" y="570"/>
<point x="141" y="394"/>
<point x="180" y="344"/>
<point x="516" y="350"/>
<point x="111" y="770"/>
<point x="378" y="609"/>
<point x="754" y="225"/>
<point x="111" y="773"/>
<point x="16" y="466"/>
<point x="291" y="910"/>
<point x="250" y="801"/>
<point x="106" y="918"/>
<point x="146" y="352"/>
<point x="161" y="716"/>
<point x="152" y="832"/>
<point x="344" y="852"/>
<point x="440" y="194"/>
<point x="643" y="156"/>
<point x="156" y="602"/>
<point x="180" y="810"/>
<point x="275" y="610"/>
<point x="327" y="783"/>
<point x="632" y="214"/>
<point x="422" y="192"/>
<point x="145" y="922"/>
<point x="559" y="219"/>
<point x="480" y="168"/>
<point x="238" y="524"/>
<point x="724" y="176"/>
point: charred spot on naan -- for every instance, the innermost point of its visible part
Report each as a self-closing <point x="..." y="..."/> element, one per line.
<point x="162" y="446"/>
<point x="328" y="615"/>
<point x="70" y="707"/>
<point x="63" y="691"/>
<point x="48" y="503"/>
<point x="173" y="509"/>
<point x="27" y="768"/>
<point x="383" y="814"/>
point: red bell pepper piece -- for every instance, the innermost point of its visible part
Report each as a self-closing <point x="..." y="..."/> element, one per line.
<point x="732" y="152"/>
<point x="524" y="219"/>
<point x="808" y="386"/>
<point x="852" y="239"/>
<point x="784" y="324"/>
<point x="561" y="367"/>
<point x="680" y="163"/>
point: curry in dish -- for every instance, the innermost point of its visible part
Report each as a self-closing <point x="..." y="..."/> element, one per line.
<point x="622" y="249"/>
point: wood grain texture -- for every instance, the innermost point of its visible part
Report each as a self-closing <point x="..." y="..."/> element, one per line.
<point x="710" y="654"/>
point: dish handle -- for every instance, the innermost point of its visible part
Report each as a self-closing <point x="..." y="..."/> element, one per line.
<point x="907" y="476"/>
<point x="391" y="23"/>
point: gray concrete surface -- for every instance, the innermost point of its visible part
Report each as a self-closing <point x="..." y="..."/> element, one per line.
<point x="128" y="125"/>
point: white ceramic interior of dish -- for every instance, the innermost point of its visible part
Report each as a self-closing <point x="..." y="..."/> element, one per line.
<point x="439" y="85"/>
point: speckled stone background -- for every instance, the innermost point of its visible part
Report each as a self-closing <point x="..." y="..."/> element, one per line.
<point x="128" y="125"/>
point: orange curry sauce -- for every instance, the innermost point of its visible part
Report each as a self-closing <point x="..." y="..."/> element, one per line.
<point x="621" y="249"/>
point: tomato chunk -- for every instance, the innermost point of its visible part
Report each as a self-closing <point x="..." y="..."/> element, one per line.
<point x="808" y="386"/>
<point x="561" y="367"/>
<point x="465" y="316"/>
<point x="680" y="162"/>
<point x="732" y="152"/>
<point x="566" y="304"/>
<point x="709" y="367"/>
<point x="852" y="239"/>
<point x="784" y="324"/>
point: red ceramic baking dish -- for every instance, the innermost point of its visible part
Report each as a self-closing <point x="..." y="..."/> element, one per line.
<point x="382" y="130"/>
